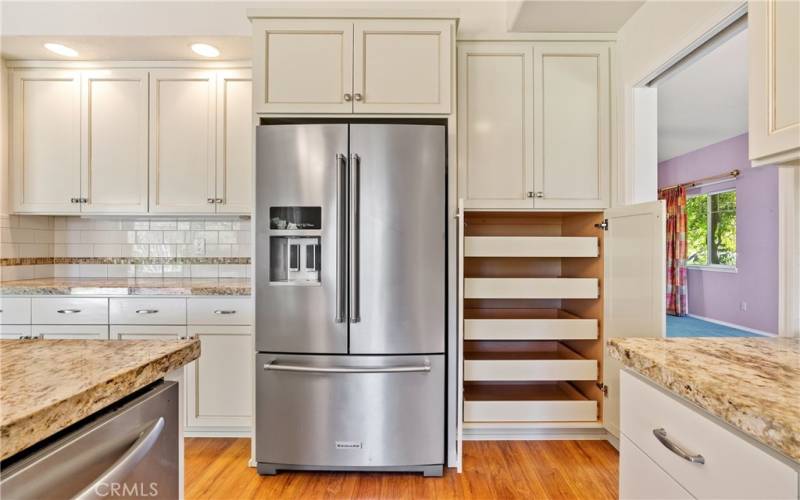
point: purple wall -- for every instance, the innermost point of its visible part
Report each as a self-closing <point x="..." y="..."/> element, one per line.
<point x="718" y="295"/>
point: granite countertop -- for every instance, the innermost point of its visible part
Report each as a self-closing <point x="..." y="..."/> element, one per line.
<point x="47" y="385"/>
<point x="752" y="384"/>
<point x="127" y="286"/>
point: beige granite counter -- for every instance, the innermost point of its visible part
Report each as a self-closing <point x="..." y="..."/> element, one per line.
<point x="47" y="385"/>
<point x="753" y="384"/>
<point x="127" y="286"/>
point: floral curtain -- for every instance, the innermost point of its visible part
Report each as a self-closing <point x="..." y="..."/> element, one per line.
<point x="677" y="298"/>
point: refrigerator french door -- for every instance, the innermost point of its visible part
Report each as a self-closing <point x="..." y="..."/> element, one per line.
<point x="350" y="293"/>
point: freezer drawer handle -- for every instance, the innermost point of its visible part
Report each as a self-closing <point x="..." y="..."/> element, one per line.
<point x="225" y="311"/>
<point x="146" y="311"/>
<point x="130" y="459"/>
<point x="677" y="449"/>
<point x="68" y="311"/>
<point x="346" y="369"/>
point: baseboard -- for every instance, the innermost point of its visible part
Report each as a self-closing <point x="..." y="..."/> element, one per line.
<point x="613" y="441"/>
<point x="533" y="434"/>
<point x="216" y="433"/>
<point x="731" y="325"/>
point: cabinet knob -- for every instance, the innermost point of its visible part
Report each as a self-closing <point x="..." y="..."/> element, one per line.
<point x="218" y="200"/>
<point x="74" y="200"/>
<point x="210" y="200"/>
<point x="539" y="194"/>
<point x="530" y="194"/>
<point x="348" y="97"/>
<point x="358" y="97"/>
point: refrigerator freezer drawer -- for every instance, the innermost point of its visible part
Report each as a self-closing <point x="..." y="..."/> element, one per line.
<point x="331" y="412"/>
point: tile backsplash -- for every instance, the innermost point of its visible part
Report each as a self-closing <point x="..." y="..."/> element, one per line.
<point x="126" y="247"/>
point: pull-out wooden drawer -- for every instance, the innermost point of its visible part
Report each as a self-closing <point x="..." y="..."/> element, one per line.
<point x="529" y="402"/>
<point x="70" y="311"/>
<point x="549" y="361"/>
<point x="144" y="311"/>
<point x="15" y="311"/>
<point x="733" y="468"/>
<point x="531" y="246"/>
<point x="220" y="311"/>
<point x="528" y="324"/>
<point x="531" y="288"/>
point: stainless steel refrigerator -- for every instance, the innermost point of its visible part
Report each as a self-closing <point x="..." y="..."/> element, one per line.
<point x="351" y="294"/>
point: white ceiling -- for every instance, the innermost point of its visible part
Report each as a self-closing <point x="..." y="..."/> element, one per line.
<point x="706" y="102"/>
<point x="580" y="16"/>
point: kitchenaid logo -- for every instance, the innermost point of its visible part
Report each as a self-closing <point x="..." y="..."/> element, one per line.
<point x="138" y="490"/>
<point x="348" y="445"/>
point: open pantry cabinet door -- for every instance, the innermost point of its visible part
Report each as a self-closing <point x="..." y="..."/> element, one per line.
<point x="460" y="343"/>
<point x="635" y="287"/>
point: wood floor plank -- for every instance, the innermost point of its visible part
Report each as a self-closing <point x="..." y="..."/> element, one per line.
<point x="217" y="469"/>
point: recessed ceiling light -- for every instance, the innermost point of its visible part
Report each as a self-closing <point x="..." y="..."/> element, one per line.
<point x="205" y="50"/>
<point x="61" y="50"/>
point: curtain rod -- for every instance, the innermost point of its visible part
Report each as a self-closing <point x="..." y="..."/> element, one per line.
<point x="699" y="182"/>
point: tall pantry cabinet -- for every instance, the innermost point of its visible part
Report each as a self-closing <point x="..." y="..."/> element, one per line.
<point x="547" y="270"/>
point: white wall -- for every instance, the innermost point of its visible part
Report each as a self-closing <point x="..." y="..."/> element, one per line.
<point x="655" y="34"/>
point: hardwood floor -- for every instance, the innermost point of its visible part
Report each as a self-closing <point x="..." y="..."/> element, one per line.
<point x="217" y="469"/>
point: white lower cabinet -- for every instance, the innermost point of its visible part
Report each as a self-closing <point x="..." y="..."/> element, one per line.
<point x="77" y="332"/>
<point x="733" y="466"/>
<point x="640" y="477"/>
<point x="139" y="332"/>
<point x="219" y="384"/>
<point x="14" y="332"/>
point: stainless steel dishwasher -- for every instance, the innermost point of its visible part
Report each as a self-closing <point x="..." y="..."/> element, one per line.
<point x="129" y="450"/>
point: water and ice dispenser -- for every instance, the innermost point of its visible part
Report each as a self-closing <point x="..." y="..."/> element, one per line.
<point x="295" y="239"/>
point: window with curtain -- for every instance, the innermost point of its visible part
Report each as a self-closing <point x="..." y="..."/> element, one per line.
<point x="711" y="230"/>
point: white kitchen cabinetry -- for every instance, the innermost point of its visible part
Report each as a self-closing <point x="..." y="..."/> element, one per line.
<point x="495" y="133"/>
<point x="74" y="332"/>
<point x="774" y="83"/>
<point x="234" y="176"/>
<point x="139" y="332"/>
<point x="114" y="157"/>
<point x="733" y="466"/>
<point x="534" y="125"/>
<point x="219" y="384"/>
<point x="182" y="141"/>
<point x="46" y="141"/>
<point x="352" y="66"/>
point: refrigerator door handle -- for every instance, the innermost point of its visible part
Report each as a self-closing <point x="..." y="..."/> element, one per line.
<point x="346" y="369"/>
<point x="355" y="257"/>
<point x="341" y="237"/>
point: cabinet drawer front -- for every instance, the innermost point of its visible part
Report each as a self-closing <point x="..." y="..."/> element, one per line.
<point x="220" y="311"/>
<point x="77" y="332"/>
<point x="148" y="311"/>
<point x="734" y="467"/>
<point x="505" y="370"/>
<point x="70" y="311"/>
<point x="146" y="332"/>
<point x="15" y="311"/>
<point x="14" y="332"/>
<point x="530" y="411"/>
<point x="641" y="478"/>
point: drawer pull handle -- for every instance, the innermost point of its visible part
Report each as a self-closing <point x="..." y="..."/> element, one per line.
<point x="345" y="369"/>
<point x="675" y="448"/>
<point x="224" y="312"/>
<point x="69" y="311"/>
<point x="146" y="311"/>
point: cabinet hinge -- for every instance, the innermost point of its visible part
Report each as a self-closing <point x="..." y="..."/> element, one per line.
<point x="603" y="225"/>
<point x="603" y="387"/>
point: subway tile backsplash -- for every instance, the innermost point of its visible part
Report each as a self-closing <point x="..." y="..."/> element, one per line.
<point x="140" y="247"/>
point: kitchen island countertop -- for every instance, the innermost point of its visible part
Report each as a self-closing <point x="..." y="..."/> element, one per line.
<point x="753" y="384"/>
<point x="48" y="385"/>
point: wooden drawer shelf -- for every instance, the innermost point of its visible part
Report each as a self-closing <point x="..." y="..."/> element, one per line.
<point x="530" y="361"/>
<point x="530" y="402"/>
<point x="531" y="288"/>
<point x="527" y="324"/>
<point x="530" y="246"/>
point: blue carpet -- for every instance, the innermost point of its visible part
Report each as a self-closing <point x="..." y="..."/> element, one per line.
<point x="685" y="326"/>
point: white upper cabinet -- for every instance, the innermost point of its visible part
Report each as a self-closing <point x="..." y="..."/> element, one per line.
<point x="495" y="129"/>
<point x="352" y="66"/>
<point x="571" y="125"/>
<point x="114" y="156"/>
<point x="402" y="66"/>
<point x="774" y="83"/>
<point x="534" y="125"/>
<point x="46" y="141"/>
<point x="303" y="66"/>
<point x="182" y="141"/>
<point x="234" y="142"/>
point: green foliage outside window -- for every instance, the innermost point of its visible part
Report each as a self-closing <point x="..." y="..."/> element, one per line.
<point x="711" y="229"/>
